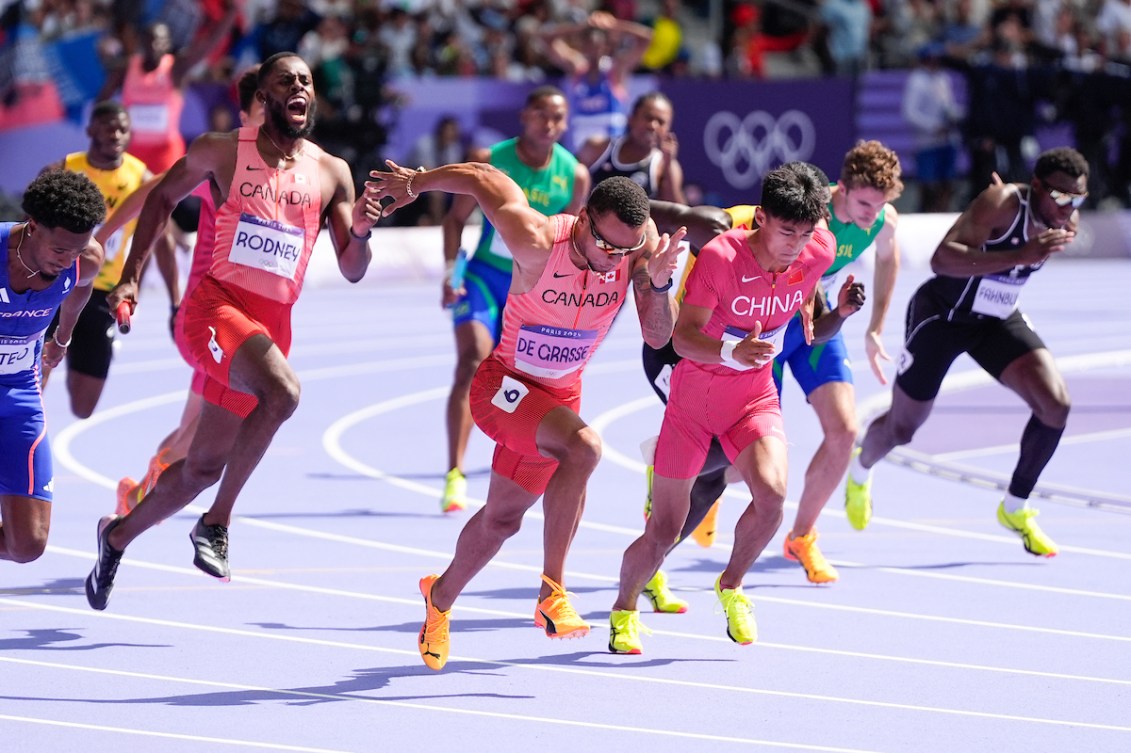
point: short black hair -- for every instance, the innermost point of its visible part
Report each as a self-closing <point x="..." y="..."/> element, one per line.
<point x="247" y="86"/>
<point x="644" y="99"/>
<point x="796" y="192"/>
<point x="267" y="65"/>
<point x="107" y="107"/>
<point x="621" y="196"/>
<point x="543" y="92"/>
<point x="64" y="199"/>
<point x="1062" y="159"/>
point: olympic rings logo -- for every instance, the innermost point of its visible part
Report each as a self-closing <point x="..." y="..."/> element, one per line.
<point x="747" y="149"/>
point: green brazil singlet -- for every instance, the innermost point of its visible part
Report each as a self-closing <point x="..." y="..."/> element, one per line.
<point x="548" y="190"/>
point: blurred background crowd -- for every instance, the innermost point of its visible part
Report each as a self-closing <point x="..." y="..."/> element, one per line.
<point x="977" y="79"/>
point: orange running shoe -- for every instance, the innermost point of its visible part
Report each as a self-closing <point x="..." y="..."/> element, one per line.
<point x="804" y="549"/>
<point x="704" y="533"/>
<point x="557" y="616"/>
<point x="434" y="637"/>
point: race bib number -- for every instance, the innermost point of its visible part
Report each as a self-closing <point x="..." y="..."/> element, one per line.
<point x="552" y="352"/>
<point x="269" y="245"/>
<point x="149" y="118"/>
<point x="17" y="353"/>
<point x="510" y="394"/>
<point x="997" y="296"/>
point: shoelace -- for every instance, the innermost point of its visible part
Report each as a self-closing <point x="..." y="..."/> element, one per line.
<point x="107" y="564"/>
<point x="217" y="539"/>
<point x="435" y="626"/>
<point x="558" y="606"/>
<point x="632" y="628"/>
<point x="737" y="607"/>
<point x="811" y="555"/>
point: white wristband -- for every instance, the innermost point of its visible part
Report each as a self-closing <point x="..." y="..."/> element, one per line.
<point x="726" y="353"/>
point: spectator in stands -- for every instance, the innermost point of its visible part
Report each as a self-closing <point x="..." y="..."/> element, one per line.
<point x="598" y="67"/>
<point x="930" y="107"/>
<point x="848" y="26"/>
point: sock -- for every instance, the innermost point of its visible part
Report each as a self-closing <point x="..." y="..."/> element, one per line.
<point x="1013" y="504"/>
<point x="857" y="471"/>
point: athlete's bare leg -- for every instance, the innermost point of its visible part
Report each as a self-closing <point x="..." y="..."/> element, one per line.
<point x="473" y="344"/>
<point x="835" y="405"/>
<point x="24" y="525"/>
<point x="84" y="391"/>
<point x="224" y="444"/>
<point x="260" y="369"/>
<point x="895" y="427"/>
<point x="671" y="500"/>
<point x="482" y="537"/>
<point x="563" y="436"/>
<point x="764" y="466"/>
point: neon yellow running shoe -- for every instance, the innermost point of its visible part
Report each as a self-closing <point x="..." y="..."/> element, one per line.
<point x="455" y="492"/>
<point x="704" y="533"/>
<point x="624" y="632"/>
<point x="741" y="627"/>
<point x="648" y="473"/>
<point x="858" y="500"/>
<point x="662" y="598"/>
<point x="1023" y="524"/>
<point x="804" y="549"/>
<point x="434" y="640"/>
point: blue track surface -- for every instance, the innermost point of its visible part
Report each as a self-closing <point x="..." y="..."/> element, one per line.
<point x="942" y="635"/>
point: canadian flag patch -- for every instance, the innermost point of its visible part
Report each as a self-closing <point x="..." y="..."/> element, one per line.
<point x="611" y="276"/>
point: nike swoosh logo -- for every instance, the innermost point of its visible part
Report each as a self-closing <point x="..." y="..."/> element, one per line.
<point x="751" y="279"/>
<point x="249" y="167"/>
<point x="567" y="274"/>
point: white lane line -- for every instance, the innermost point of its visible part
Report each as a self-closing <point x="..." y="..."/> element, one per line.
<point x="603" y="675"/>
<point x="396" y="704"/>
<point x="167" y="735"/>
<point x="415" y="602"/>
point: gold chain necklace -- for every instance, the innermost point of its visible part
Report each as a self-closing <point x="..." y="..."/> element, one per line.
<point x="31" y="273"/>
<point x="289" y="157"/>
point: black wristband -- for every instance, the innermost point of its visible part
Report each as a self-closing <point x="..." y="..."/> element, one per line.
<point x="361" y="237"/>
<point x="664" y="289"/>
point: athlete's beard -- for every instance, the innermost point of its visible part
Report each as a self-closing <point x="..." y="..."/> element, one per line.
<point x="282" y="124"/>
<point x="49" y="278"/>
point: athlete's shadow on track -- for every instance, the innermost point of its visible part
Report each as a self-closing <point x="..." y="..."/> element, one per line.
<point x="339" y="514"/>
<point x="458" y="624"/>
<point x="530" y="593"/>
<point x="437" y="476"/>
<point x="360" y="686"/>
<point x="45" y="640"/>
<point x="57" y="587"/>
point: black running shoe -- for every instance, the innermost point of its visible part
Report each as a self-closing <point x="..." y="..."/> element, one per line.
<point x="211" y="544"/>
<point x="100" y="582"/>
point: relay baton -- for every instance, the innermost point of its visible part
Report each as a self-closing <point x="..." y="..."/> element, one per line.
<point x="458" y="270"/>
<point x="123" y="317"/>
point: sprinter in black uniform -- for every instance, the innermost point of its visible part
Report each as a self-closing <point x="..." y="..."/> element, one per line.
<point x="970" y="306"/>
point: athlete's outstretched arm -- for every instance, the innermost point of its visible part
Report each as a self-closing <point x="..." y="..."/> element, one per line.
<point x="883" y="283"/>
<point x="703" y="223"/>
<point x="202" y="161"/>
<point x="525" y="230"/>
<point x="350" y="221"/>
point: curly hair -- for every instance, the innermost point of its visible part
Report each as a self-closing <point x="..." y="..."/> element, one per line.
<point x="796" y="192"/>
<point x="621" y="196"/>
<point x="64" y="199"/>
<point x="1062" y="159"/>
<point x="870" y="164"/>
<point x="246" y="87"/>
